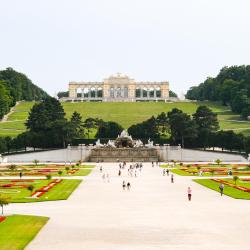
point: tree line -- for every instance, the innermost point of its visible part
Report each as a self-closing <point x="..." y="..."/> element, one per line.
<point x="15" y="86"/>
<point x="199" y="130"/>
<point x="231" y="87"/>
<point x="47" y="127"/>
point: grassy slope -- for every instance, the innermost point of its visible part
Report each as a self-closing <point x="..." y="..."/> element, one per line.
<point x="59" y="192"/>
<point x="232" y="192"/>
<point x="18" y="230"/>
<point x="125" y="113"/>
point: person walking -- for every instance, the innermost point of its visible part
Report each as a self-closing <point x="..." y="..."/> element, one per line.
<point x="123" y="185"/>
<point x="103" y="177"/>
<point x="221" y="187"/>
<point x="164" y="172"/>
<point x="167" y="172"/>
<point x="128" y="186"/>
<point x="189" y="193"/>
<point x="119" y="172"/>
<point x="100" y="168"/>
<point x="172" y="178"/>
<point x="107" y="177"/>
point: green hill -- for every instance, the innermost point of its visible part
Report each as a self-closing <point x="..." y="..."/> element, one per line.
<point x="15" y="86"/>
<point x="125" y="113"/>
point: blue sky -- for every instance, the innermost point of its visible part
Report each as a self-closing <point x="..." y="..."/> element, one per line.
<point x="181" y="41"/>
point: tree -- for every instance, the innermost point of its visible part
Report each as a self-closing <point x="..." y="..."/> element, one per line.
<point x="212" y="172"/>
<point x="63" y="94"/>
<point x="89" y="123"/>
<point x="30" y="188"/>
<point x="60" y="172"/>
<point x="109" y="130"/>
<point x="182" y="127"/>
<point x="35" y="162"/>
<point x="12" y="167"/>
<point x="147" y="129"/>
<point x="235" y="178"/>
<point x="230" y="86"/>
<point x="48" y="177"/>
<point x="172" y="94"/>
<point x="77" y="127"/>
<point x="47" y="125"/>
<point x="4" y="201"/>
<point x="218" y="161"/>
<point x="207" y="123"/>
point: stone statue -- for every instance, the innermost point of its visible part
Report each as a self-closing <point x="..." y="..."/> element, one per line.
<point x="124" y="133"/>
<point x="98" y="143"/>
<point x="111" y="144"/>
<point x="150" y="143"/>
<point x="138" y="143"/>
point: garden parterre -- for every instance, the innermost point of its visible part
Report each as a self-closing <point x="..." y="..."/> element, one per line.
<point x="211" y="169"/>
<point x="238" y="189"/>
<point x="44" y="170"/>
<point x="44" y="190"/>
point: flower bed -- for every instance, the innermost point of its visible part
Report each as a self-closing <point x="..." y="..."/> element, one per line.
<point x="2" y="218"/>
<point x="245" y="189"/>
<point x="38" y="193"/>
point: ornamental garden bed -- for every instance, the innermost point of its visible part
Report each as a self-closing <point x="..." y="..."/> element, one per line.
<point x="238" y="190"/>
<point x="44" y="190"/>
<point x="212" y="170"/>
<point x="43" y="171"/>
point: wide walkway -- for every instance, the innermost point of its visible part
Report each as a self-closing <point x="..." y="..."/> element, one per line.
<point x="154" y="214"/>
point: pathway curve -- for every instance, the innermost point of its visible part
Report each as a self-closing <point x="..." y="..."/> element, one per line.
<point x="154" y="214"/>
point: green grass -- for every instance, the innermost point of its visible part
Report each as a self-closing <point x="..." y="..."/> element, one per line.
<point x="126" y="114"/>
<point x="33" y="171"/>
<point x="17" y="231"/>
<point x="229" y="191"/>
<point x="180" y="172"/>
<point x="59" y="192"/>
<point x="80" y="172"/>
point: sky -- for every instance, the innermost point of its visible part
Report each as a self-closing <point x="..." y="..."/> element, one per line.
<point x="179" y="41"/>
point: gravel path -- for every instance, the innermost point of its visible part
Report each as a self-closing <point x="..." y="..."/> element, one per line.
<point x="154" y="214"/>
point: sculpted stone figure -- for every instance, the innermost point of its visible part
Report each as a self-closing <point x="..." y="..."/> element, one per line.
<point x="98" y="143"/>
<point x="150" y="143"/>
<point x="138" y="143"/>
<point x="111" y="144"/>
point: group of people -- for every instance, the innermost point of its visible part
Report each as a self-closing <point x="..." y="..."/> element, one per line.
<point x="105" y="176"/>
<point x="126" y="185"/>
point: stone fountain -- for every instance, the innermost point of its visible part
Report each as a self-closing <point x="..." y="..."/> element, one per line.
<point x="124" y="148"/>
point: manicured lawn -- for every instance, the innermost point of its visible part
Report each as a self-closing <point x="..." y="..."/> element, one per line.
<point x="127" y="113"/>
<point x="213" y="169"/>
<point x="44" y="172"/>
<point x="20" y="194"/>
<point x="232" y="192"/>
<point x="17" y="231"/>
<point x="180" y="172"/>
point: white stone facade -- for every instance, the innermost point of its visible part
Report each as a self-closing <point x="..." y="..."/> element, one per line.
<point x="118" y="88"/>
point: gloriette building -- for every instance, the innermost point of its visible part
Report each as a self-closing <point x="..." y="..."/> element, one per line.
<point x="118" y="88"/>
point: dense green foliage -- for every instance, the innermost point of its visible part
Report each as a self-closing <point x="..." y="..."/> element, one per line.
<point x="196" y="131"/>
<point x="62" y="94"/>
<point x="108" y="130"/>
<point x="48" y="127"/>
<point x="15" y="86"/>
<point x="231" y="86"/>
<point x="172" y="94"/>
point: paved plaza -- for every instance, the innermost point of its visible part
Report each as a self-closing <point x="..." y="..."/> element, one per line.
<point x="154" y="214"/>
